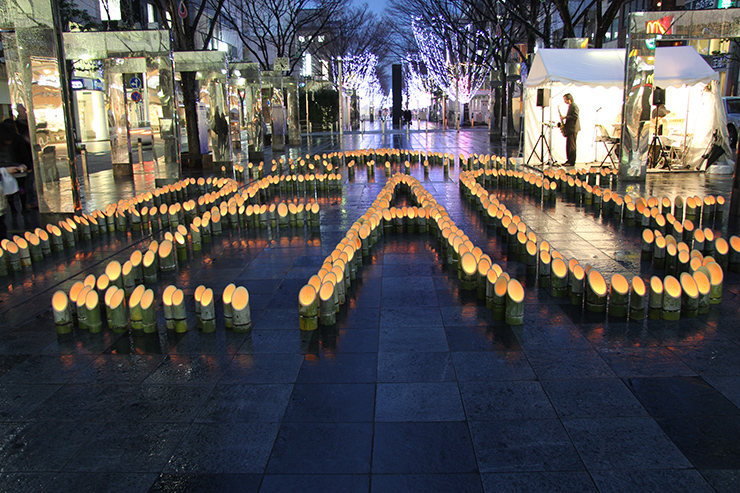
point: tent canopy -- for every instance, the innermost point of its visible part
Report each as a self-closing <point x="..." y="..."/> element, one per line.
<point x="674" y="66"/>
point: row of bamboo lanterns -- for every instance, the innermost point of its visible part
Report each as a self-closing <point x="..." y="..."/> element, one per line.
<point x="567" y="278"/>
<point x="137" y="311"/>
<point x="319" y="300"/>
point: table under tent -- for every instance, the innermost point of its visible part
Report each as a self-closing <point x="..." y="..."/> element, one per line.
<point x="595" y="78"/>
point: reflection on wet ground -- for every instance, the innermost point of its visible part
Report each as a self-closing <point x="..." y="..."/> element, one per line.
<point x="416" y="387"/>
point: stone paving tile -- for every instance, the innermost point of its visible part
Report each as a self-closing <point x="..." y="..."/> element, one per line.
<point x="415" y="388"/>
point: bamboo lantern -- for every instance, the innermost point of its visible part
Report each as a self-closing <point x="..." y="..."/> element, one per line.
<point x="89" y="281"/>
<point x="167" y="260"/>
<point x="659" y="252"/>
<point x="544" y="268"/>
<point x="45" y="241"/>
<point x="92" y="308"/>
<point x="149" y="265"/>
<point x="62" y="315"/>
<point x="14" y="258"/>
<point x="135" y="220"/>
<point x="499" y="297"/>
<point x="207" y="311"/>
<point x="314" y="215"/>
<point x="596" y="292"/>
<point x="174" y="218"/>
<point x="491" y="278"/>
<point x="226" y="299"/>
<point x="137" y="269"/>
<point x="197" y="296"/>
<point x="308" y="308"/>
<point x="282" y="215"/>
<point x="327" y="306"/>
<point x="82" y="307"/>
<point x="637" y="299"/>
<point x="619" y="290"/>
<point x="716" y="277"/>
<point x="671" y="298"/>
<point x="514" y="303"/>
<point x="559" y="278"/>
<point x="698" y="243"/>
<point x="484" y="265"/>
<point x="704" y="287"/>
<point x="689" y="296"/>
<point x="709" y="242"/>
<point x="113" y="271"/>
<point x="655" y="298"/>
<point x="195" y="237"/>
<point x="102" y="284"/>
<point x="683" y="261"/>
<point x="34" y="246"/>
<point x="241" y="313"/>
<point x="576" y="281"/>
<point x="468" y="269"/>
<point x="648" y="241"/>
<point x="135" y="307"/>
<point x="3" y="263"/>
<point x="179" y="315"/>
<point x="671" y="259"/>
<point x="107" y="296"/>
<point x="721" y="252"/>
<point x="74" y="293"/>
<point x="734" y="254"/>
<point x="181" y="245"/>
<point x="169" y="318"/>
<point x="339" y="273"/>
<point x="68" y="234"/>
<point x="148" y="314"/>
<point x="531" y="256"/>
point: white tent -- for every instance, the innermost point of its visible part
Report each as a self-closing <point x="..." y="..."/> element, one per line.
<point x="595" y="78"/>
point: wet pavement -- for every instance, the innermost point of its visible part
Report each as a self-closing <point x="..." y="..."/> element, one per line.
<point x="416" y="387"/>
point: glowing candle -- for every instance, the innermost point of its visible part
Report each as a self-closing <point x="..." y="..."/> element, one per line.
<point x="241" y="312"/>
<point x="62" y="315"/>
<point x="514" y="303"/>
<point x="596" y="292"/>
<point x="671" y="298"/>
<point x="619" y="290"/>
<point x="207" y="314"/>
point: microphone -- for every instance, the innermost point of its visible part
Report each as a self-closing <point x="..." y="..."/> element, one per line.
<point x="599" y="108"/>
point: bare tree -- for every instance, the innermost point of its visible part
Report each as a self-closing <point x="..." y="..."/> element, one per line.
<point x="575" y="13"/>
<point x="282" y="28"/>
<point x="193" y="30"/>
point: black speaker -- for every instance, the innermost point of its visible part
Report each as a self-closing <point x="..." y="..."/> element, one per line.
<point x="543" y="97"/>
<point x="658" y="96"/>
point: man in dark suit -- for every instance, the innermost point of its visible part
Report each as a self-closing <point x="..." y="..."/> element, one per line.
<point x="571" y="127"/>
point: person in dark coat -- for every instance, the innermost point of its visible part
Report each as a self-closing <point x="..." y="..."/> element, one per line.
<point x="570" y="127"/>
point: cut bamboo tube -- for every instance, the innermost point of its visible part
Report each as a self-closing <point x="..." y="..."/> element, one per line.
<point x="148" y="314"/>
<point x="167" y="260"/>
<point x="619" y="290"/>
<point x="149" y="266"/>
<point x="102" y="285"/>
<point x="308" y="307"/>
<point x="107" y="296"/>
<point x="659" y="252"/>
<point x="3" y="262"/>
<point x="169" y="318"/>
<point x="45" y="241"/>
<point x="559" y="278"/>
<point x="709" y="239"/>
<point x="544" y="269"/>
<point x="689" y="296"/>
<point x="113" y="271"/>
<point x="89" y="281"/>
<point x="92" y="307"/>
<point x="499" y="298"/>
<point x="197" y="296"/>
<point x="14" y="259"/>
<point x="468" y="269"/>
<point x="129" y="279"/>
<point x="648" y="241"/>
<point x="734" y="254"/>
<point x="596" y="292"/>
<point x="226" y="299"/>
<point x="514" y="303"/>
<point x="637" y="299"/>
<point x="135" y="307"/>
<point x="34" y="245"/>
<point x="576" y="285"/>
<point x="327" y="307"/>
<point x="74" y="293"/>
<point x="704" y="287"/>
<point x="137" y="269"/>
<point x="721" y="252"/>
<point x="491" y="278"/>
<point x="671" y="259"/>
<point x="179" y="315"/>
<point x="716" y="278"/>
<point x="24" y="253"/>
<point x="207" y="311"/>
<point x="181" y="245"/>
<point x="671" y="299"/>
<point x="683" y="262"/>
<point x="241" y="313"/>
<point x="341" y="288"/>
<point x="82" y="308"/>
<point x="62" y="314"/>
<point x="655" y="298"/>
<point x="484" y="265"/>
